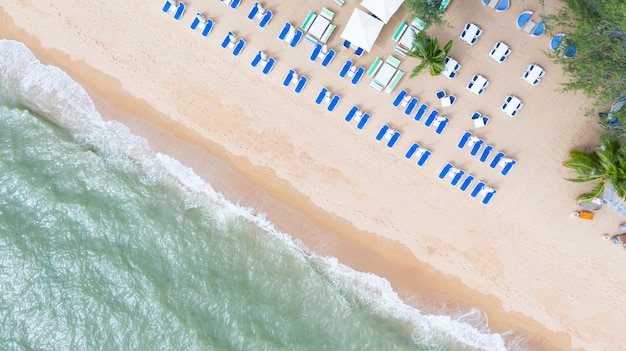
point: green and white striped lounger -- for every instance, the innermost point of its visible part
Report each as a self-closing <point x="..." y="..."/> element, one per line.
<point x="398" y="34"/>
<point x="308" y="21"/>
<point x="327" y="13"/>
<point x="394" y="82"/>
<point x="327" y="33"/>
<point x="375" y="66"/>
<point x="393" y="61"/>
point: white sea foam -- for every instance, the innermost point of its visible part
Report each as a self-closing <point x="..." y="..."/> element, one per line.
<point x="51" y="93"/>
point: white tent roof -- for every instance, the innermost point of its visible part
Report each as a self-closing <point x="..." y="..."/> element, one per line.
<point x="383" y="9"/>
<point x="362" y="29"/>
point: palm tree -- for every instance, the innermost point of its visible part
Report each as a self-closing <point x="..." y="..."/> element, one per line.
<point x="427" y="49"/>
<point x="606" y="164"/>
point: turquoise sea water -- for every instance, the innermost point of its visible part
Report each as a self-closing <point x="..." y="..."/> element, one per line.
<point x="105" y="245"/>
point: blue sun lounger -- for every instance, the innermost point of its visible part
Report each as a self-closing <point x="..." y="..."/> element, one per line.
<point x="333" y="103"/>
<point x="301" y="84"/>
<point x="316" y="52"/>
<point x="382" y="132"/>
<point x="357" y="75"/>
<point x="457" y="177"/>
<point x="496" y="159"/>
<point x="442" y="126"/>
<point x="266" y="19"/>
<point x="321" y="95"/>
<point x="399" y="98"/>
<point x="424" y="158"/>
<point x="253" y="11"/>
<point x="269" y="65"/>
<point x="288" y="77"/>
<point x="477" y="189"/>
<point x="363" y="121"/>
<point x="393" y="139"/>
<point x="411" y="151"/>
<point x="228" y="39"/>
<point x="240" y="45"/>
<point x="486" y="152"/>
<point x="196" y="21"/>
<point x="476" y="147"/>
<point x="431" y="118"/>
<point x="167" y="6"/>
<point x="180" y="9"/>
<point x="468" y="180"/>
<point x="235" y="4"/>
<point x="283" y="33"/>
<point x="256" y="59"/>
<point x="411" y="106"/>
<point x="421" y="111"/>
<point x="351" y="113"/>
<point x="508" y="167"/>
<point x="345" y="69"/>
<point x="207" y="27"/>
<point x="464" y="139"/>
<point x="296" y="38"/>
<point x="488" y="196"/>
<point x="445" y="170"/>
<point x="328" y="58"/>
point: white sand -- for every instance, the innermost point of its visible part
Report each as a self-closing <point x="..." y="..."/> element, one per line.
<point x="522" y="249"/>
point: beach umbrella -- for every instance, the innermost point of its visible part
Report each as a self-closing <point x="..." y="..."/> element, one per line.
<point x="362" y="30"/>
<point x="382" y="9"/>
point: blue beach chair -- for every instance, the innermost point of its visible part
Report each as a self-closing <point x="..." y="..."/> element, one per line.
<point x="358" y="52"/>
<point x="424" y="158"/>
<point x="301" y="84"/>
<point x="508" y="167"/>
<point x="227" y="40"/>
<point x="420" y="112"/>
<point x="269" y="65"/>
<point x="476" y="147"/>
<point x="196" y="21"/>
<point x="382" y="132"/>
<point x="321" y="95"/>
<point x="266" y="19"/>
<point x="488" y="196"/>
<point x="253" y="11"/>
<point x="179" y="11"/>
<point x="411" y="106"/>
<point x="235" y="4"/>
<point x="496" y="159"/>
<point x="477" y="189"/>
<point x="399" y="98"/>
<point x="351" y="113"/>
<point x="457" y="177"/>
<point x="357" y="75"/>
<point x="316" y="52"/>
<point x="345" y="69"/>
<point x="296" y="38"/>
<point x="468" y="180"/>
<point x="431" y="118"/>
<point x="393" y="139"/>
<point x="486" y="152"/>
<point x="333" y="103"/>
<point x="445" y="170"/>
<point x="240" y="45"/>
<point x="167" y="6"/>
<point x="442" y="126"/>
<point x="207" y="27"/>
<point x="289" y="77"/>
<point x="464" y="139"/>
<point x="363" y="121"/>
<point x="411" y="151"/>
<point x="328" y="58"/>
<point x="256" y="59"/>
<point x="283" y="33"/>
<point x="441" y="94"/>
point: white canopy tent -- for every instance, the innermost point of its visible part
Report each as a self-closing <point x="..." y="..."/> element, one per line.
<point x="362" y="30"/>
<point x="382" y="9"/>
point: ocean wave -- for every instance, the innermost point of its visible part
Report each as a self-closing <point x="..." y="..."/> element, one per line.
<point x="52" y="94"/>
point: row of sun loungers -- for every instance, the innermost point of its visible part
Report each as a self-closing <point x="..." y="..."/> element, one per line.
<point x="409" y="103"/>
<point x="475" y="144"/>
<point x="456" y="174"/>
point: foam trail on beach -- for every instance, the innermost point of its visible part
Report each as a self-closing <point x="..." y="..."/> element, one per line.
<point x="138" y="252"/>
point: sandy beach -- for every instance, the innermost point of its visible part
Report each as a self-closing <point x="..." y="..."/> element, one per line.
<point x="522" y="258"/>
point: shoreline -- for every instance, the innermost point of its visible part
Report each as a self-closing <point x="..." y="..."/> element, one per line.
<point x="335" y="237"/>
<point x="268" y="195"/>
